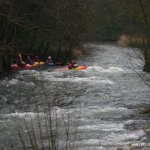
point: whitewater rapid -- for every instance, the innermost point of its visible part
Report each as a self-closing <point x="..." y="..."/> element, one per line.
<point x="102" y="102"/>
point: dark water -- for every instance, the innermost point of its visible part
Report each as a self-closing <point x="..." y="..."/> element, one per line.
<point x="103" y="103"/>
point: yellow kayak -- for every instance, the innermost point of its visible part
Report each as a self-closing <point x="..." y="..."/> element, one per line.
<point x="38" y="63"/>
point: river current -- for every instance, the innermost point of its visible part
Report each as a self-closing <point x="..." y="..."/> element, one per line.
<point x="99" y="108"/>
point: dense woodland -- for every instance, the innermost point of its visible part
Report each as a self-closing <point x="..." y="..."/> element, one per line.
<point x="44" y="27"/>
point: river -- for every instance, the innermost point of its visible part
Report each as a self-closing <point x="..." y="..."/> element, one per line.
<point x="94" y="109"/>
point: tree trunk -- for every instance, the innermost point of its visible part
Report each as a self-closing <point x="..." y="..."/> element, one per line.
<point x="147" y="61"/>
<point x="6" y="62"/>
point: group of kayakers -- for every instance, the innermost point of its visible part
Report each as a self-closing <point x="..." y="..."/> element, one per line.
<point x="71" y="65"/>
<point x="30" y="61"/>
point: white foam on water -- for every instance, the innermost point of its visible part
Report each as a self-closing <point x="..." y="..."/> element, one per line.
<point x="13" y="82"/>
<point x="115" y="69"/>
<point x="2" y="121"/>
<point x="113" y="139"/>
<point x="77" y="79"/>
<point x="109" y="70"/>
<point x="98" y="110"/>
<point x="89" y="113"/>
<point x="92" y="79"/>
<point x="22" y="115"/>
<point x="91" y="148"/>
<point x="102" y="127"/>
<point x="129" y="122"/>
<point x="105" y="81"/>
<point x="58" y="111"/>
<point x="54" y="111"/>
<point x="88" y="142"/>
<point x="60" y="76"/>
<point x="16" y="82"/>
<point x="28" y="72"/>
<point x="127" y="136"/>
<point x="30" y="84"/>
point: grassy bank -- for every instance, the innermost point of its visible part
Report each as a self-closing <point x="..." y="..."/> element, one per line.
<point x="133" y="41"/>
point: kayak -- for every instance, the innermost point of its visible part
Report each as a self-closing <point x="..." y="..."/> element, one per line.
<point x="77" y="68"/>
<point x="58" y="63"/>
<point x="81" y="68"/>
<point x="27" y="66"/>
<point x="50" y="64"/>
<point x="38" y="64"/>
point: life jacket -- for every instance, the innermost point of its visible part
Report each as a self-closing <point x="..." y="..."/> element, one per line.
<point x="49" y="61"/>
<point x="71" y="66"/>
<point x="20" y="63"/>
<point x="29" y="61"/>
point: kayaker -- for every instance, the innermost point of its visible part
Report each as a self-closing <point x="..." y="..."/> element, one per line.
<point x="37" y="59"/>
<point x="49" y="60"/>
<point x="72" y="64"/>
<point x="29" y="60"/>
<point x="20" y="62"/>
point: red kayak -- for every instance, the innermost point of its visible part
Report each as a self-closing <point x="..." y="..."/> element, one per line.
<point x="27" y="66"/>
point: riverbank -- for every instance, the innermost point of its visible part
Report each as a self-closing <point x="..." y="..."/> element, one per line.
<point x="140" y="46"/>
<point x="3" y="75"/>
